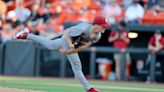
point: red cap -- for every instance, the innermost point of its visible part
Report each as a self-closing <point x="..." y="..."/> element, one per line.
<point x="100" y="20"/>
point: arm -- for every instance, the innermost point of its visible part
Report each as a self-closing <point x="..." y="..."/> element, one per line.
<point x="68" y="39"/>
<point x="111" y="39"/>
<point x="127" y="40"/>
<point x="74" y="50"/>
<point x="153" y="49"/>
<point x="151" y="45"/>
<point x="81" y="47"/>
<point x="158" y="44"/>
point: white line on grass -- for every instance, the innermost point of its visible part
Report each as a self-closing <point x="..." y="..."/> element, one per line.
<point x="112" y="87"/>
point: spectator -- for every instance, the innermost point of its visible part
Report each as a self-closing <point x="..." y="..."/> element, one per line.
<point x="161" y="3"/>
<point x="86" y="15"/>
<point x="156" y="44"/>
<point x="157" y="8"/>
<point x="152" y="3"/>
<point x="103" y="3"/>
<point x="69" y="14"/>
<point x="35" y="7"/>
<point x="1" y="24"/>
<point x="143" y="3"/>
<point x="126" y="3"/>
<point x="79" y="4"/>
<point x="0" y="28"/>
<point x="41" y="13"/>
<point x="22" y="13"/>
<point x="11" y="4"/>
<point x="95" y="4"/>
<point x="13" y="20"/>
<point x="52" y="28"/>
<point x="52" y="25"/>
<point x="2" y="9"/>
<point x="41" y="26"/>
<point x="120" y="40"/>
<point x="111" y="11"/>
<point x="7" y="32"/>
<point x="32" y="28"/>
<point x="134" y="17"/>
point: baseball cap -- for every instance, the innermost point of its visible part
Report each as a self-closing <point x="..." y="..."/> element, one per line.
<point x="100" y="20"/>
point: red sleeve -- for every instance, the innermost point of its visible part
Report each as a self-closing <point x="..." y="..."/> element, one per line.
<point x="162" y="41"/>
<point x="152" y="41"/>
<point x="112" y="34"/>
<point x="127" y="35"/>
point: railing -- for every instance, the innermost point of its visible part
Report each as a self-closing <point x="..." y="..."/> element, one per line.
<point x="114" y="50"/>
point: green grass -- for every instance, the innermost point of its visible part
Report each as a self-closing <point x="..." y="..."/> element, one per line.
<point x="71" y="85"/>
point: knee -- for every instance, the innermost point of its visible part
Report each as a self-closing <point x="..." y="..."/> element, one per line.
<point x="77" y="67"/>
<point x="50" y="47"/>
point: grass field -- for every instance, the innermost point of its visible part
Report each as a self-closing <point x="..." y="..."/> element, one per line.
<point x="71" y="85"/>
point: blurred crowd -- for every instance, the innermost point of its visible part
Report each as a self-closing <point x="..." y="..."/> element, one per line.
<point x="45" y="17"/>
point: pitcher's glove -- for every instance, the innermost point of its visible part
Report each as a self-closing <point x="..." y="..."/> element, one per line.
<point x="77" y="41"/>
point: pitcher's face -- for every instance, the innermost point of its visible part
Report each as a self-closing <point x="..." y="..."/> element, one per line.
<point x="100" y="29"/>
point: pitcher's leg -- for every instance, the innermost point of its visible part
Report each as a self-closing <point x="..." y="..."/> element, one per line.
<point x="50" y="44"/>
<point x="77" y="69"/>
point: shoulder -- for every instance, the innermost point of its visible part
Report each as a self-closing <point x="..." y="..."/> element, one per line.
<point x="86" y="24"/>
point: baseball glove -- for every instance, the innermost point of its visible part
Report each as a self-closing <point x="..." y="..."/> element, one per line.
<point x="77" y="41"/>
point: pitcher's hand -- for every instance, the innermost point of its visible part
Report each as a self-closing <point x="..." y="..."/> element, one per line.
<point x="64" y="51"/>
